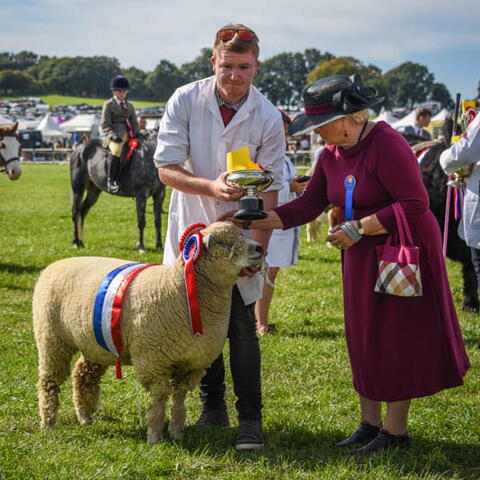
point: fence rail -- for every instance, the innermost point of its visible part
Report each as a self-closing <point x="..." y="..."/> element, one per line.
<point x="50" y="155"/>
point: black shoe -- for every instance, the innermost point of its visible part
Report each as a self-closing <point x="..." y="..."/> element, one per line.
<point x="383" y="441"/>
<point x="364" y="434"/>
<point x="214" y="417"/>
<point x="250" y="435"/>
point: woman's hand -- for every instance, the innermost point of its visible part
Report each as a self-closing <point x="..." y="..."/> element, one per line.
<point x="338" y="238"/>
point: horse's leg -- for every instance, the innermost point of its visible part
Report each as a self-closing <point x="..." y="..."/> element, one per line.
<point x="78" y="180"/>
<point x="157" y="211"/>
<point x="141" y="200"/>
<point x="92" y="196"/>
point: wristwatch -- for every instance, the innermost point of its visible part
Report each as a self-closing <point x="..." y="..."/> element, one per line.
<point x="360" y="229"/>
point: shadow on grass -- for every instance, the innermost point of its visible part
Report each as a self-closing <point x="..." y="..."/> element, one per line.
<point x="310" y="450"/>
<point x="314" y="334"/>
<point x="19" y="269"/>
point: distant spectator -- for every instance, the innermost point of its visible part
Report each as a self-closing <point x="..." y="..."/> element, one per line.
<point x="305" y="143"/>
<point x="142" y="125"/>
<point x="76" y="139"/>
<point x="321" y="145"/>
<point x="416" y="133"/>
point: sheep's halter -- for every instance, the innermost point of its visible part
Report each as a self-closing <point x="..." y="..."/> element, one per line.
<point x="190" y="247"/>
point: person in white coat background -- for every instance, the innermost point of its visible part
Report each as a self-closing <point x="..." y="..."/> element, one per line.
<point x="203" y="121"/>
<point x="465" y="154"/>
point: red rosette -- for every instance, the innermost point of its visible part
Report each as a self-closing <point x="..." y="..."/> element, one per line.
<point x="196" y="227"/>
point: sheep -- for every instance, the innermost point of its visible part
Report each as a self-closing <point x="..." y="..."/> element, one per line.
<point x="155" y="327"/>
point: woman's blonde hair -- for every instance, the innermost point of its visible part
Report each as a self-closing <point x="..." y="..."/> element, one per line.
<point x="360" y="117"/>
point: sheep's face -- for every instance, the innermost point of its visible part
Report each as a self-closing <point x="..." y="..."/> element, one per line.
<point x="226" y="250"/>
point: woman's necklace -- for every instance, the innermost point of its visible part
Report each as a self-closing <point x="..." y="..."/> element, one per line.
<point x="362" y="132"/>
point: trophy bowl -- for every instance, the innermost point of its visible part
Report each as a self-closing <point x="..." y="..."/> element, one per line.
<point x="251" y="181"/>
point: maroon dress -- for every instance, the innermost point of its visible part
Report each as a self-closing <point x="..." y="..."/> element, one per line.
<point x="399" y="347"/>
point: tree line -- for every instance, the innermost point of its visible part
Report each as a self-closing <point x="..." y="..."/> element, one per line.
<point x="281" y="77"/>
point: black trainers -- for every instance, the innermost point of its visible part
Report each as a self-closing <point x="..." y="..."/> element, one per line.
<point x="217" y="417"/>
<point x="250" y="435"/>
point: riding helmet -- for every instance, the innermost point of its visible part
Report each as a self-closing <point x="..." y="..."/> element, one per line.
<point x="119" y="82"/>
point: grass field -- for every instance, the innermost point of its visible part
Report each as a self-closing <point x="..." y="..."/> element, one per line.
<point x="308" y="397"/>
<point x="54" y="100"/>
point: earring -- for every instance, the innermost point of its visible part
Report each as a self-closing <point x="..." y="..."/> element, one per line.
<point x="345" y="134"/>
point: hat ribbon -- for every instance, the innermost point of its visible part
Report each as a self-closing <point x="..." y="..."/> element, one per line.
<point x="319" y="109"/>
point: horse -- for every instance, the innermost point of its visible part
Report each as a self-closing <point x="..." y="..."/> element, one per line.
<point x="435" y="181"/>
<point x="138" y="178"/>
<point x="9" y="152"/>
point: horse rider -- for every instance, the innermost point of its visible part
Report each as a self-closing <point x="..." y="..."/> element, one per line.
<point x="119" y="124"/>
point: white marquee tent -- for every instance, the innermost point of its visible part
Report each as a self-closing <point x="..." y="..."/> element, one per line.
<point x="441" y="116"/>
<point x="87" y="123"/>
<point x="50" y="130"/>
<point x="405" y="121"/>
<point x="386" y="116"/>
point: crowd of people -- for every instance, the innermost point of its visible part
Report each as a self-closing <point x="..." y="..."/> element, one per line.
<point x="387" y="335"/>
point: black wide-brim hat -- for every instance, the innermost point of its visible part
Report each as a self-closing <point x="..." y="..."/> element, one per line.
<point x="331" y="98"/>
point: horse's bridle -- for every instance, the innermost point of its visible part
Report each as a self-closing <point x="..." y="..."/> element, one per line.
<point x="3" y="162"/>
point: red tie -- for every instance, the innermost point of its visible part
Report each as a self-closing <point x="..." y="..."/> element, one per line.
<point x="227" y="114"/>
<point x="123" y="106"/>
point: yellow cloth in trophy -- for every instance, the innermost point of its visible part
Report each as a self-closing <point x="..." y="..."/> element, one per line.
<point x="240" y="160"/>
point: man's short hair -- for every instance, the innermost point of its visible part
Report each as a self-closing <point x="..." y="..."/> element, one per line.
<point x="235" y="44"/>
<point x="423" y="112"/>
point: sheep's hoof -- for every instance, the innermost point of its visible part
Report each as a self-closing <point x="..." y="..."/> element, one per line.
<point x="84" y="419"/>
<point x="176" y="432"/>
<point x="47" y="425"/>
<point x="154" y="437"/>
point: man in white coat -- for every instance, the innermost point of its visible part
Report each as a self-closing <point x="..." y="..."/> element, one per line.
<point x="203" y="121"/>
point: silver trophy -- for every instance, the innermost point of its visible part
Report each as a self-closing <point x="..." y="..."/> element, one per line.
<point x="251" y="181"/>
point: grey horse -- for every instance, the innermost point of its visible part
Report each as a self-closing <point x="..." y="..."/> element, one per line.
<point x="138" y="178"/>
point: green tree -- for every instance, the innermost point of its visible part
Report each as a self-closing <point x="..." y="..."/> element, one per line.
<point x="83" y="76"/>
<point x="282" y="77"/>
<point x="164" y="79"/>
<point x="370" y="74"/>
<point x="17" y="61"/>
<point x="138" y="87"/>
<point x="200" y="67"/>
<point x="409" y="84"/>
<point x="13" y="82"/>
<point x="441" y="94"/>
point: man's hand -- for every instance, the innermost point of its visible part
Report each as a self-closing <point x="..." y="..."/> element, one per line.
<point x="226" y="192"/>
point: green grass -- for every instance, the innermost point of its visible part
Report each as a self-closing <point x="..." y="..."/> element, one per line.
<point x="308" y="397"/>
<point x="54" y="100"/>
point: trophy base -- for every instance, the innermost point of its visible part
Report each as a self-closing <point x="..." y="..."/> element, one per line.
<point x="251" y="215"/>
<point x="251" y="208"/>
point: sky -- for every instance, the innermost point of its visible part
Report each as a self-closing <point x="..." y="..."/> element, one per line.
<point x="442" y="35"/>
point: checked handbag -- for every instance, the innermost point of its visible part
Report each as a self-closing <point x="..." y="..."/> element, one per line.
<point x="398" y="265"/>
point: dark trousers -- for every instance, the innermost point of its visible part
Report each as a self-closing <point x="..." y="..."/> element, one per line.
<point x="244" y="365"/>
<point x="475" y="252"/>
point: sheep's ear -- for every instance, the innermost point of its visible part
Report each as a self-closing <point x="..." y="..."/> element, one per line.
<point x="206" y="239"/>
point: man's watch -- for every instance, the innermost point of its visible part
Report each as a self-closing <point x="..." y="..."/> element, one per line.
<point x="360" y="229"/>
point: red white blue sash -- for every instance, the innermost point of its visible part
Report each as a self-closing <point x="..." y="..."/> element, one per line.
<point x="108" y="307"/>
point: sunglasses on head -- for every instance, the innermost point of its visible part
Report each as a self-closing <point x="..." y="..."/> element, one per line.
<point x="228" y="33"/>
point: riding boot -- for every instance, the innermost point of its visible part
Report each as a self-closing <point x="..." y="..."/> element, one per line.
<point x="113" y="171"/>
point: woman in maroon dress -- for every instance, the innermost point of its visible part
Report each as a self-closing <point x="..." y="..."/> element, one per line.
<point x="400" y="347"/>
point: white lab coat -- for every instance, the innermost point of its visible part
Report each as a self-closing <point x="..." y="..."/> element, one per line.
<point x="193" y="136"/>
<point x="284" y="244"/>
<point x="463" y="154"/>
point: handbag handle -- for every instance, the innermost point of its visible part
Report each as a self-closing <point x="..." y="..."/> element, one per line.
<point x="402" y="224"/>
